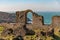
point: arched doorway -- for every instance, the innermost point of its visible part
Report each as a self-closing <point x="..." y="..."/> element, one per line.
<point x="29" y="17"/>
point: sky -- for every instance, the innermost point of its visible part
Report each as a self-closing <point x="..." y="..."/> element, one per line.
<point x="35" y="5"/>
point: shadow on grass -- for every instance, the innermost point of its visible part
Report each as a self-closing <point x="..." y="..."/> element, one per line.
<point x="56" y="37"/>
<point x="18" y="38"/>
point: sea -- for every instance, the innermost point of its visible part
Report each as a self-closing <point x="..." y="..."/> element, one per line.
<point x="47" y="16"/>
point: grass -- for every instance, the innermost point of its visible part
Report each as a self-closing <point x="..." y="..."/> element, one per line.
<point x="57" y="35"/>
<point x="8" y="37"/>
<point x="1" y="29"/>
<point x="34" y="37"/>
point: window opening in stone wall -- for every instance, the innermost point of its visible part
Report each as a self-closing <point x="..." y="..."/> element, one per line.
<point x="29" y="17"/>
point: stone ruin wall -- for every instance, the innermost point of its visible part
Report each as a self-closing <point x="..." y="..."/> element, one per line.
<point x="22" y="18"/>
<point x="37" y="22"/>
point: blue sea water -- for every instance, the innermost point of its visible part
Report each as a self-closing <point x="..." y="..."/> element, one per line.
<point x="47" y="16"/>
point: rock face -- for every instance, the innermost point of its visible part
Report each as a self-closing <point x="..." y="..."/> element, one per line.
<point x="21" y="27"/>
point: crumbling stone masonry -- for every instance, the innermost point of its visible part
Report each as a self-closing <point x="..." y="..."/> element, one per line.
<point x="21" y="27"/>
<point x="37" y="21"/>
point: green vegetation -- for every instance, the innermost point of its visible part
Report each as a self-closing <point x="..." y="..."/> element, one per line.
<point x="35" y="36"/>
<point x="1" y="29"/>
<point x="41" y="37"/>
